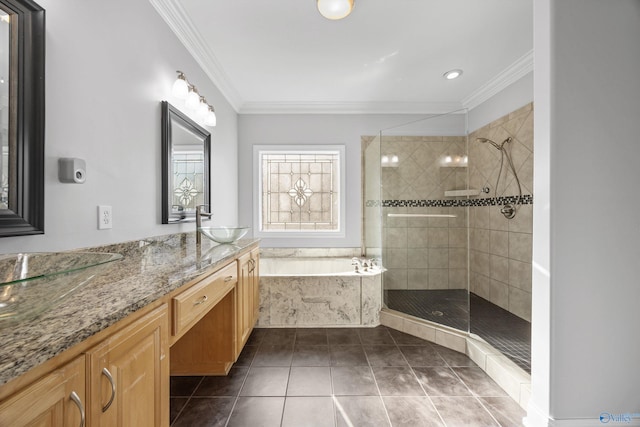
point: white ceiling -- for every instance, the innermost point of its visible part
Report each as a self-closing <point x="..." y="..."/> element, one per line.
<point x="388" y="56"/>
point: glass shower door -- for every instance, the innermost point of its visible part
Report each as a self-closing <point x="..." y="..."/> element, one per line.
<point x="424" y="219"/>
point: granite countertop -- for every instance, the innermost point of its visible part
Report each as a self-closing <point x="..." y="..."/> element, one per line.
<point x="150" y="269"/>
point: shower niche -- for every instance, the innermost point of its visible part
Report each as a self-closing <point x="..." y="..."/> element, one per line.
<point x="434" y="197"/>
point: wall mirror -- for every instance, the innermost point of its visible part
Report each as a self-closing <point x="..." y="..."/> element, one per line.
<point x="185" y="166"/>
<point x="22" y="56"/>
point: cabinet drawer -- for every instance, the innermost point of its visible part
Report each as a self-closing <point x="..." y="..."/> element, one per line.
<point x="191" y="305"/>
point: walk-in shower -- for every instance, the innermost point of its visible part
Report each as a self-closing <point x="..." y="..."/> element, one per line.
<point x="436" y="217"/>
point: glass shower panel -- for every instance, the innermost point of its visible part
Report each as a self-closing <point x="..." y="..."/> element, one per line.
<point x="371" y="206"/>
<point x="425" y="234"/>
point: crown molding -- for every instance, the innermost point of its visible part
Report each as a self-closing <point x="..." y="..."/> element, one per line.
<point x="513" y="73"/>
<point x="178" y="20"/>
<point x="348" y="108"/>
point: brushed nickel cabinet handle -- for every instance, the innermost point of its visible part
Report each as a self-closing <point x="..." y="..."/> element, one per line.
<point x="76" y="399"/>
<point x="201" y="300"/>
<point x="228" y="279"/>
<point x="107" y="374"/>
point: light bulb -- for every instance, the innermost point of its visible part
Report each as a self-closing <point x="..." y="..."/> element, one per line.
<point x="193" y="99"/>
<point x="453" y="74"/>
<point x="335" y="9"/>
<point x="203" y="107"/>
<point x="210" y="117"/>
<point x="180" y="87"/>
<point x="384" y="160"/>
<point x="448" y="159"/>
<point x="394" y="159"/>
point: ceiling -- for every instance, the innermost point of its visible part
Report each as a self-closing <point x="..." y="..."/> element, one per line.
<point x="388" y="56"/>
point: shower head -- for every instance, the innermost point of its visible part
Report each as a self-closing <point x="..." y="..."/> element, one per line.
<point x="495" y="144"/>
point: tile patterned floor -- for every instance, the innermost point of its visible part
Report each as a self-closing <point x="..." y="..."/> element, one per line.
<point x="343" y="377"/>
<point x="457" y="308"/>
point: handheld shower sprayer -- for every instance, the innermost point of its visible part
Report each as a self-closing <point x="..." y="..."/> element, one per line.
<point x="508" y="210"/>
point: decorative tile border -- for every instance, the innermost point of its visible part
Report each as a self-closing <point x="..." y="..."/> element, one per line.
<point x="526" y="199"/>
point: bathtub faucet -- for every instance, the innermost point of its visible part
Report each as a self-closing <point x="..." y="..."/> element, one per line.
<point x="360" y="263"/>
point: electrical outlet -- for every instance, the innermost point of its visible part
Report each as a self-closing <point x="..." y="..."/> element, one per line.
<point x="105" y="218"/>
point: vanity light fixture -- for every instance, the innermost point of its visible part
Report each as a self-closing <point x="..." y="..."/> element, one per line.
<point x="335" y="9"/>
<point x="193" y="98"/>
<point x="182" y="89"/>
<point x="452" y="74"/>
<point x="210" y="117"/>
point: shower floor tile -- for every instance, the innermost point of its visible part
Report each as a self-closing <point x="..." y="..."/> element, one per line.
<point x="505" y="331"/>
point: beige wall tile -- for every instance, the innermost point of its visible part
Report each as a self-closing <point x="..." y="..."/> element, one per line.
<point x="520" y="246"/>
<point x="457" y="237"/>
<point x="438" y="278"/>
<point x="396" y="258"/>
<point x="480" y="262"/>
<point x="523" y="221"/>
<point x="395" y="279"/>
<point x="480" y="239"/>
<point x="500" y="268"/>
<point x="497" y="220"/>
<point x="458" y="278"/>
<point x="395" y="237"/>
<point x="499" y="243"/>
<point x="520" y="274"/>
<point x="418" y="238"/>
<point x="418" y="278"/>
<point x="499" y="294"/>
<point x="520" y="303"/>
<point x="418" y="258"/>
<point x="457" y="258"/>
<point x="438" y="237"/>
<point x="438" y="258"/>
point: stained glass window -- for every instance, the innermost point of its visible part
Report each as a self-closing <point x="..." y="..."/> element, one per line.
<point x="300" y="190"/>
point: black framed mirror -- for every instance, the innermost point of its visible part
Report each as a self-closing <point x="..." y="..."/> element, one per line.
<point x="22" y="67"/>
<point x="185" y="166"/>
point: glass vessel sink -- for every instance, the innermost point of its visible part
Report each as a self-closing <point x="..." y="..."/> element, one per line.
<point x="224" y="234"/>
<point x="32" y="282"/>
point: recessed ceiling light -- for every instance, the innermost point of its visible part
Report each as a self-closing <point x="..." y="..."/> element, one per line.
<point x="453" y="74"/>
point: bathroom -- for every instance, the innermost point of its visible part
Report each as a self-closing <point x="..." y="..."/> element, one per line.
<point x="103" y="105"/>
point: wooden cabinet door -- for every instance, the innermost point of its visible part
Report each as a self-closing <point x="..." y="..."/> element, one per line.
<point x="58" y="399"/>
<point x="244" y="296"/>
<point x="129" y="375"/>
<point x="255" y="285"/>
<point x="247" y="297"/>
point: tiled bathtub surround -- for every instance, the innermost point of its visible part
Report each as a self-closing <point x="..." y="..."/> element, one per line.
<point x="304" y="299"/>
<point x="319" y="301"/>
<point x="500" y="249"/>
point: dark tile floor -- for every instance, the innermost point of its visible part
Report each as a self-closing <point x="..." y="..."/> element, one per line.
<point x="343" y="377"/>
<point x="459" y="309"/>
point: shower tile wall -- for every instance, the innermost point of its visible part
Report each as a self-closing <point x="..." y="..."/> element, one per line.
<point x="500" y="249"/>
<point x="423" y="253"/>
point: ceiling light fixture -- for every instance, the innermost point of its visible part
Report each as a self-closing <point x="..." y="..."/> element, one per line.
<point x="335" y="9"/>
<point x="453" y="74"/>
<point x="182" y="89"/>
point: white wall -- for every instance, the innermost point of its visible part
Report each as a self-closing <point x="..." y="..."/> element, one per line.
<point x="587" y="227"/>
<point x="108" y="66"/>
<point x="509" y="99"/>
<point x="322" y="129"/>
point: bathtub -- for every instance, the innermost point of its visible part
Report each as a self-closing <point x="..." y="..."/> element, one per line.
<point x="309" y="266"/>
<point x="318" y="292"/>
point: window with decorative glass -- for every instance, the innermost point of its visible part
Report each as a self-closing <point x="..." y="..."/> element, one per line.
<point x="299" y="190"/>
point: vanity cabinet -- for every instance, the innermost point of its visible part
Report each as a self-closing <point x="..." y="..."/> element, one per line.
<point x="58" y="399"/>
<point x="129" y="375"/>
<point x="120" y="375"/>
<point x="203" y="320"/>
<point x="247" y="296"/>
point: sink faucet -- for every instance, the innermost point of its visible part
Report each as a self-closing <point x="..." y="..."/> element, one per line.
<point x="199" y="215"/>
